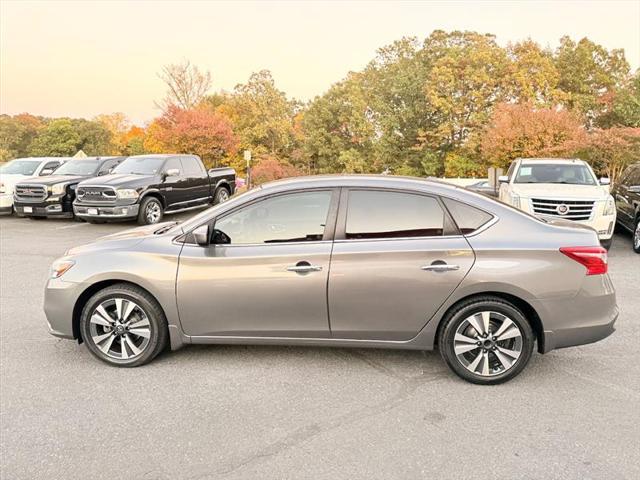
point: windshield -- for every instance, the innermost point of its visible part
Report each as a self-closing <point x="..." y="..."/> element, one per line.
<point x="20" y="167"/>
<point x="78" y="167"/>
<point x="140" y="166"/>
<point x="572" y="174"/>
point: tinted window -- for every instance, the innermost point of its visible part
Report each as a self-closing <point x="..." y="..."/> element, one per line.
<point x="107" y="165"/>
<point x="51" y="166"/>
<point x="467" y="218"/>
<point x="375" y="214"/>
<point x="634" y="178"/>
<point x="297" y="217"/>
<point x="192" y="166"/>
<point x="77" y="167"/>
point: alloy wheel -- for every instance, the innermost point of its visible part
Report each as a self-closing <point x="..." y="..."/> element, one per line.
<point x="488" y="343"/>
<point x="636" y="237"/>
<point x="120" y="328"/>
<point x="152" y="212"/>
<point x="223" y="195"/>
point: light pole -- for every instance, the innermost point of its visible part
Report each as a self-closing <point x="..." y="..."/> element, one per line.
<point x="247" y="157"/>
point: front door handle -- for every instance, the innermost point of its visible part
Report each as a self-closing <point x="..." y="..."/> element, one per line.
<point x="304" y="267"/>
<point x="440" y="267"/>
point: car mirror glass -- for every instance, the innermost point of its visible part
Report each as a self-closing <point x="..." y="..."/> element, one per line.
<point x="172" y="172"/>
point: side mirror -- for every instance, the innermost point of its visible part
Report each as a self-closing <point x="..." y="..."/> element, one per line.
<point x="46" y="171"/>
<point x="634" y="189"/>
<point x="503" y="179"/>
<point x="201" y="235"/>
<point x="220" y="238"/>
<point x="605" y="181"/>
<point x="172" y="172"/>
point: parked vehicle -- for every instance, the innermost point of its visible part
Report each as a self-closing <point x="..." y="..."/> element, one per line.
<point x="627" y="196"/>
<point x="17" y="170"/>
<point x="145" y="187"/>
<point x="344" y="261"/>
<point x="561" y="188"/>
<point x="484" y="187"/>
<point x="52" y="196"/>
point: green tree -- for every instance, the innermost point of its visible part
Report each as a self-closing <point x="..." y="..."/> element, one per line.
<point x="95" y="138"/>
<point x="16" y="134"/>
<point x="59" y="139"/>
<point x="588" y="74"/>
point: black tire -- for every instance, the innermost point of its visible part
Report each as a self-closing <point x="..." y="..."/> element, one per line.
<point x="159" y="334"/>
<point x="606" y="244"/>
<point x="144" y="215"/>
<point x="466" y="309"/>
<point x="635" y="236"/>
<point x="221" y="195"/>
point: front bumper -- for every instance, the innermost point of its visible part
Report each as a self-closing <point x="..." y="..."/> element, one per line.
<point x="59" y="300"/>
<point x="52" y="207"/>
<point x="106" y="212"/>
<point x="6" y="203"/>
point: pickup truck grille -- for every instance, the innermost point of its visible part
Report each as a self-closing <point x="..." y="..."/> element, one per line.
<point x="570" y="209"/>
<point x="30" y="193"/>
<point x="92" y="194"/>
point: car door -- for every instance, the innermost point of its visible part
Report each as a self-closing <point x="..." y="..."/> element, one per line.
<point x="623" y="196"/>
<point x="397" y="256"/>
<point x="197" y="190"/>
<point x="174" y="187"/>
<point x="265" y="272"/>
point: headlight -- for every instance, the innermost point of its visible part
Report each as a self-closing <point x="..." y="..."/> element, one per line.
<point x="60" y="266"/>
<point x="57" y="189"/>
<point x="127" y="193"/>
<point x="610" y="206"/>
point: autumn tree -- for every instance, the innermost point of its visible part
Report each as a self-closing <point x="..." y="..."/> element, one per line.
<point x="16" y="134"/>
<point x="611" y="150"/>
<point x="118" y="125"/>
<point x="186" y="85"/>
<point x="521" y="130"/>
<point x="198" y="131"/>
<point x="269" y="168"/>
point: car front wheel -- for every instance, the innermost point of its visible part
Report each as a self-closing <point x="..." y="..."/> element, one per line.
<point x="150" y="212"/>
<point x="123" y="326"/>
<point x="636" y="236"/>
<point x="486" y="340"/>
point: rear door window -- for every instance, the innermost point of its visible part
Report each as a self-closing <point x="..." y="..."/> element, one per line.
<point x="192" y="167"/>
<point x="378" y="214"/>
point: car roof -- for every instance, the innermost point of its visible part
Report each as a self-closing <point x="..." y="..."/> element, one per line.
<point x="559" y="161"/>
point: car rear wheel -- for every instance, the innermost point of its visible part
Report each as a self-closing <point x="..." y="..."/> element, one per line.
<point x="221" y="196"/>
<point x="150" y="211"/>
<point x="123" y="326"/>
<point x="486" y="340"/>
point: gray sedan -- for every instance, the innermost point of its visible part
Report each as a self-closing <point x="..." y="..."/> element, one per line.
<point x="342" y="261"/>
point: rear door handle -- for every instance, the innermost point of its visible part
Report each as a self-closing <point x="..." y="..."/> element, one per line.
<point x="304" y="267"/>
<point x="440" y="267"/>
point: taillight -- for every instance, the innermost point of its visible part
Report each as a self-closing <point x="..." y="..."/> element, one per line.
<point x="594" y="258"/>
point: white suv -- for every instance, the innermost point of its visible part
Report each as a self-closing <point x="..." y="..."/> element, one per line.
<point x="561" y="188"/>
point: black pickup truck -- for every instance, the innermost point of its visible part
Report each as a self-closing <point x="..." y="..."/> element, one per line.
<point x="53" y="195"/>
<point x="145" y="187"/>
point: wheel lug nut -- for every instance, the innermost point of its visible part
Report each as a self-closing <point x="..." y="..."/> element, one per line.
<point x="493" y="338"/>
<point x="478" y="343"/>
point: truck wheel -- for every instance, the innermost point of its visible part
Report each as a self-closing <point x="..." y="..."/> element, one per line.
<point x="221" y="195"/>
<point x="150" y="211"/>
<point x="636" y="236"/>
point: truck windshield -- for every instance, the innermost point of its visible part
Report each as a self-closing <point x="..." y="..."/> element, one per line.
<point x="572" y="174"/>
<point x="78" y="167"/>
<point x="140" y="166"/>
<point x="20" y="167"/>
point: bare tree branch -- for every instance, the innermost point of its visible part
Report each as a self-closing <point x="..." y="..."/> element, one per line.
<point x="186" y="85"/>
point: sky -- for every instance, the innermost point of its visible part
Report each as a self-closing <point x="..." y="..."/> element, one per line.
<point x="80" y="59"/>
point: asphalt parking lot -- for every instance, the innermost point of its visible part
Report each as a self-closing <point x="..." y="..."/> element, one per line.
<point x="210" y="412"/>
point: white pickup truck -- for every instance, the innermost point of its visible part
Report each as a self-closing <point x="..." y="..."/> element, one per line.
<point x="561" y="188"/>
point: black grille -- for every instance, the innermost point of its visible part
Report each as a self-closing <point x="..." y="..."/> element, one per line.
<point x="570" y="209"/>
<point x="96" y="194"/>
<point x="30" y="193"/>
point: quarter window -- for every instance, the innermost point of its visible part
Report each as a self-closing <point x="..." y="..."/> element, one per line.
<point x="467" y="218"/>
<point x="296" y="217"/>
<point x="376" y="214"/>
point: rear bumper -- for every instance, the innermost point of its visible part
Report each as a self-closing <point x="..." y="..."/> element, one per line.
<point x="587" y="317"/>
<point x="100" y="211"/>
